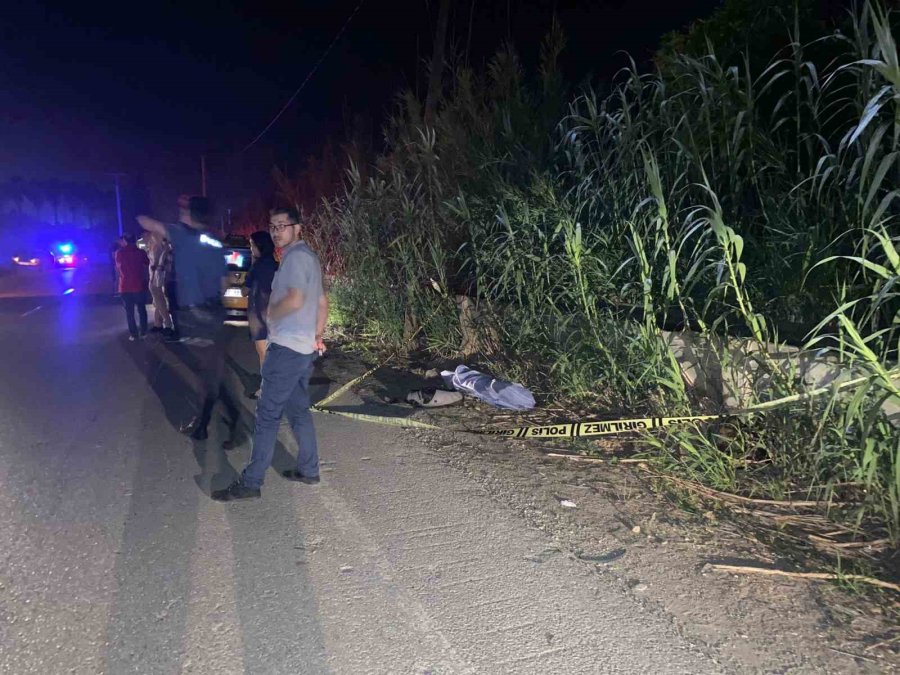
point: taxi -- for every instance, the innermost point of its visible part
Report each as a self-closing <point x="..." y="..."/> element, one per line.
<point x="237" y="257"/>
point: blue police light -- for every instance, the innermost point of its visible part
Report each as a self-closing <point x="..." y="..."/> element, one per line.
<point x="65" y="248"/>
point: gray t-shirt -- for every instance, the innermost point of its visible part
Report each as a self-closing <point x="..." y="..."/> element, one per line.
<point x="300" y="269"/>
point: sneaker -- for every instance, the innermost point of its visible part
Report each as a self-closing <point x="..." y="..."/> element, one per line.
<point x="132" y="338"/>
<point x="170" y="336"/>
<point x="297" y="477"/>
<point x="143" y="336"/>
<point x="234" y="492"/>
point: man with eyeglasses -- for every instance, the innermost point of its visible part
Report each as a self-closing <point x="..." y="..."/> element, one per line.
<point x="298" y="310"/>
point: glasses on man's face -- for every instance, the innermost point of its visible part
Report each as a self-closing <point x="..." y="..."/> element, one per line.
<point x="280" y="227"/>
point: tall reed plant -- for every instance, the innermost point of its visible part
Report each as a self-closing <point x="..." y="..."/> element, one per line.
<point x="752" y="203"/>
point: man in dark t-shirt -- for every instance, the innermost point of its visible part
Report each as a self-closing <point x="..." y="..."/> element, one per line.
<point x="199" y="317"/>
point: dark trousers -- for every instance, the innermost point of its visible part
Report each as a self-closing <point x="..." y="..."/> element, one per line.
<point x="285" y="390"/>
<point x="134" y="301"/>
<point x="202" y="330"/>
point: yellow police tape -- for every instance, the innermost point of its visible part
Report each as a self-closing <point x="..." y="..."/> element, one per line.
<point x="562" y="430"/>
<point x="340" y="390"/>
<point x="583" y="429"/>
<point x="378" y="419"/>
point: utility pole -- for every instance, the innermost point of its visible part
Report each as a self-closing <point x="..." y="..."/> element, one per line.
<point x="118" y="202"/>
<point x="203" y="175"/>
<point x="437" y="63"/>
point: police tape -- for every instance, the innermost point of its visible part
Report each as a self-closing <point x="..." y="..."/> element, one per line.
<point x="345" y="387"/>
<point x="599" y="427"/>
<point x="562" y="430"/>
<point x="379" y="419"/>
<point x="590" y="428"/>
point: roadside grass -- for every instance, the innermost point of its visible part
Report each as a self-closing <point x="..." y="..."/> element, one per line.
<point x="756" y="204"/>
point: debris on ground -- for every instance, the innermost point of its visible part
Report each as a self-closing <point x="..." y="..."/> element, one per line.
<point x="433" y="398"/>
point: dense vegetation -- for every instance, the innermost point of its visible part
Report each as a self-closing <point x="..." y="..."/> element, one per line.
<point x="752" y="200"/>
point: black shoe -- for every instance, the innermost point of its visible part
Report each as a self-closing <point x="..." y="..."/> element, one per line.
<point x="200" y="433"/>
<point x="195" y="428"/>
<point x="170" y="336"/>
<point x="234" y="492"/>
<point x="297" y="477"/>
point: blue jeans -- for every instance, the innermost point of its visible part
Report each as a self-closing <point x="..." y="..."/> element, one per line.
<point x="285" y="389"/>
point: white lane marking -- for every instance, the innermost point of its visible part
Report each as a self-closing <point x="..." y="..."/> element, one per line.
<point x="32" y="311"/>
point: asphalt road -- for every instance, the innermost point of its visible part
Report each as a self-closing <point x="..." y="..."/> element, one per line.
<point x="113" y="559"/>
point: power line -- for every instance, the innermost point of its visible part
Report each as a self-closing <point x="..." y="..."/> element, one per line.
<point x="308" y="77"/>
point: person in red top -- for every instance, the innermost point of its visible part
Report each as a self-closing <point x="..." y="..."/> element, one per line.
<point x="133" y="267"/>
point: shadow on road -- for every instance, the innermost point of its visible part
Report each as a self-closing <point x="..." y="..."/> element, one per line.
<point x="250" y="381"/>
<point x="152" y="626"/>
<point x="169" y="369"/>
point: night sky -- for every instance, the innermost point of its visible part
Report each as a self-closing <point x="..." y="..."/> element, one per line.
<point x="146" y="88"/>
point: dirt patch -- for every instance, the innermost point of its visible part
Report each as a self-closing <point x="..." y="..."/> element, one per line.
<point x="631" y="531"/>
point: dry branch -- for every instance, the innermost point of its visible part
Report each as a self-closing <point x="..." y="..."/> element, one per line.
<point x="728" y="496"/>
<point x="595" y="460"/>
<point x="819" y="576"/>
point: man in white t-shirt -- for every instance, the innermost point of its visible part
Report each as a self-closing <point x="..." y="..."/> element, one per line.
<point x="298" y="310"/>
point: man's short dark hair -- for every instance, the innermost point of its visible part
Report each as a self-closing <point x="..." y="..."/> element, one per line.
<point x="200" y="209"/>
<point x="129" y="238"/>
<point x="287" y="211"/>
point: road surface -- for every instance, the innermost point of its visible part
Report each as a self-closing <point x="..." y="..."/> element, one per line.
<point x="113" y="559"/>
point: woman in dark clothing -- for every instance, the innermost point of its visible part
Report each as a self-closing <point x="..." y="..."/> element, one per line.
<point x="258" y="286"/>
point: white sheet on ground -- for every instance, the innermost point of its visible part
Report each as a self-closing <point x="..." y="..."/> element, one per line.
<point x="500" y="393"/>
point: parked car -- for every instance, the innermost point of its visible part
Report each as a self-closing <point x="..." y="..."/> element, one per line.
<point x="236" y="250"/>
<point x="32" y="258"/>
<point x="237" y="256"/>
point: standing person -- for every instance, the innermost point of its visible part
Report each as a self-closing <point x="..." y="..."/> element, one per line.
<point x="298" y="310"/>
<point x="199" y="316"/>
<point x="116" y="245"/>
<point x="258" y="289"/>
<point x="160" y="270"/>
<point x="131" y="269"/>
